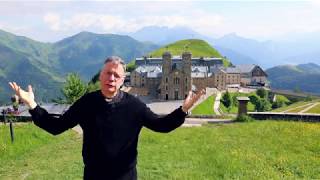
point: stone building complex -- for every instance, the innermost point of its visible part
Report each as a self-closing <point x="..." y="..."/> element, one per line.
<point x="171" y="77"/>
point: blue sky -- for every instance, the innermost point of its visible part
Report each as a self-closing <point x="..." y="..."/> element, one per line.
<point x="51" y="21"/>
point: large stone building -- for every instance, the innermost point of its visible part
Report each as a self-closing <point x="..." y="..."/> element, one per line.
<point x="172" y="77"/>
<point x="252" y="75"/>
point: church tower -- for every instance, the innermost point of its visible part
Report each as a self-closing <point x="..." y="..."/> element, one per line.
<point x="166" y="70"/>
<point x="187" y="81"/>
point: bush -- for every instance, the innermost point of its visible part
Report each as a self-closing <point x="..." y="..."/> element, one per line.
<point x="263" y="105"/>
<point x="244" y="118"/>
<point x="254" y="99"/>
<point x="226" y="100"/>
<point x="280" y="101"/>
<point x="262" y="93"/>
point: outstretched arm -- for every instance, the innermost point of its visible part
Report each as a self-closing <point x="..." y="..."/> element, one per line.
<point x="51" y="123"/>
<point x="26" y="96"/>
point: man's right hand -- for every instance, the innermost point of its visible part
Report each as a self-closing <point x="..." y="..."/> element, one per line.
<point x="26" y="96"/>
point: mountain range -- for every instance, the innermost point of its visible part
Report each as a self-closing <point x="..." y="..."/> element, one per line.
<point x="303" y="77"/>
<point x="290" y="49"/>
<point x="46" y="64"/>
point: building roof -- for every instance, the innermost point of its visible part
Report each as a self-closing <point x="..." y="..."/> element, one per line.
<point x="232" y="70"/>
<point x="209" y="61"/>
<point x="215" y="70"/>
<point x="198" y="74"/>
<point x="196" y="69"/>
<point x="150" y="71"/>
<point x="246" y="68"/>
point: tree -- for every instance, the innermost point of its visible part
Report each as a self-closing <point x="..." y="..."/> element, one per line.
<point x="73" y="88"/>
<point x="235" y="101"/>
<point x="263" y="105"/>
<point x="131" y="66"/>
<point x="262" y="93"/>
<point x="93" y="86"/>
<point x="280" y="101"/>
<point x="226" y="99"/>
<point x="254" y="99"/>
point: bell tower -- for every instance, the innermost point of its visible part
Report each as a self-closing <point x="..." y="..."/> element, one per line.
<point x="187" y="81"/>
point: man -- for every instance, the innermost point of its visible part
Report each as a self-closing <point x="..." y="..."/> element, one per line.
<point x="111" y="121"/>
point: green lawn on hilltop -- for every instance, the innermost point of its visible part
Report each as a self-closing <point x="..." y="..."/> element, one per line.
<point x="197" y="47"/>
<point x="256" y="150"/>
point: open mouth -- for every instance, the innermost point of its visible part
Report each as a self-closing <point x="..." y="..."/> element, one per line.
<point x="110" y="85"/>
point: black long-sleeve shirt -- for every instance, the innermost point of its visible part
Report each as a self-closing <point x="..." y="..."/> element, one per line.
<point x="110" y="129"/>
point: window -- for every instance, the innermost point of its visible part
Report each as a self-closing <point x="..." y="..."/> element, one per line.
<point x="176" y="81"/>
<point x="166" y="80"/>
<point x="166" y="87"/>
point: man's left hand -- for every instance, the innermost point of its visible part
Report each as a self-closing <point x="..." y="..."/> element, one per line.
<point x="191" y="99"/>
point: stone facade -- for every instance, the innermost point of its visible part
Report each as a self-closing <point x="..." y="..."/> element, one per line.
<point x="252" y="75"/>
<point x="171" y="78"/>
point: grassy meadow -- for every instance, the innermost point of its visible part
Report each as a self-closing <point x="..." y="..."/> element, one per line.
<point x="299" y="106"/>
<point x="205" y="108"/>
<point x="255" y="150"/>
<point x="315" y="109"/>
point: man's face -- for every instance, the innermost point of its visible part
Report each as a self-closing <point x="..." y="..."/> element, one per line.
<point x="111" y="78"/>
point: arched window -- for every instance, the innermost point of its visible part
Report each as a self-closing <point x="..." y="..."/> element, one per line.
<point x="176" y="80"/>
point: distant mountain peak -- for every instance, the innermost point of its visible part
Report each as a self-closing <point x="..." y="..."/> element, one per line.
<point x="164" y="34"/>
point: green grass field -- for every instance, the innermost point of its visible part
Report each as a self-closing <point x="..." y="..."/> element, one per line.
<point x="298" y="109"/>
<point x="256" y="150"/>
<point x="205" y="108"/>
<point x="36" y="154"/>
<point x="315" y="109"/>
<point x="292" y="106"/>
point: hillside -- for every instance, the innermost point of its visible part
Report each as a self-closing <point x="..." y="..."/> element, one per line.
<point x="304" y="77"/>
<point x="289" y="48"/>
<point x="45" y="65"/>
<point x="85" y="52"/>
<point x="197" y="47"/>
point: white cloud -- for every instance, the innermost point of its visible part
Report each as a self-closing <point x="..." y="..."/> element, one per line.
<point x="110" y="23"/>
<point x="53" y="20"/>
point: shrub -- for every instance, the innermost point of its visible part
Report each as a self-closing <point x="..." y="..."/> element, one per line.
<point x="254" y="99"/>
<point x="226" y="100"/>
<point x="263" y="105"/>
<point x="280" y="101"/>
<point x="244" y="118"/>
<point x="262" y="93"/>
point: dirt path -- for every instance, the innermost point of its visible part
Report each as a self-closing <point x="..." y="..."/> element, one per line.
<point x="306" y="105"/>
<point x="308" y="108"/>
<point x="217" y="104"/>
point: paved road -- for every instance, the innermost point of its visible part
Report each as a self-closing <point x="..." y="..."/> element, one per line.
<point x="164" y="107"/>
<point x="217" y="103"/>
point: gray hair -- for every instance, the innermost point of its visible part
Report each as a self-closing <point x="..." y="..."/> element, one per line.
<point x="116" y="59"/>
